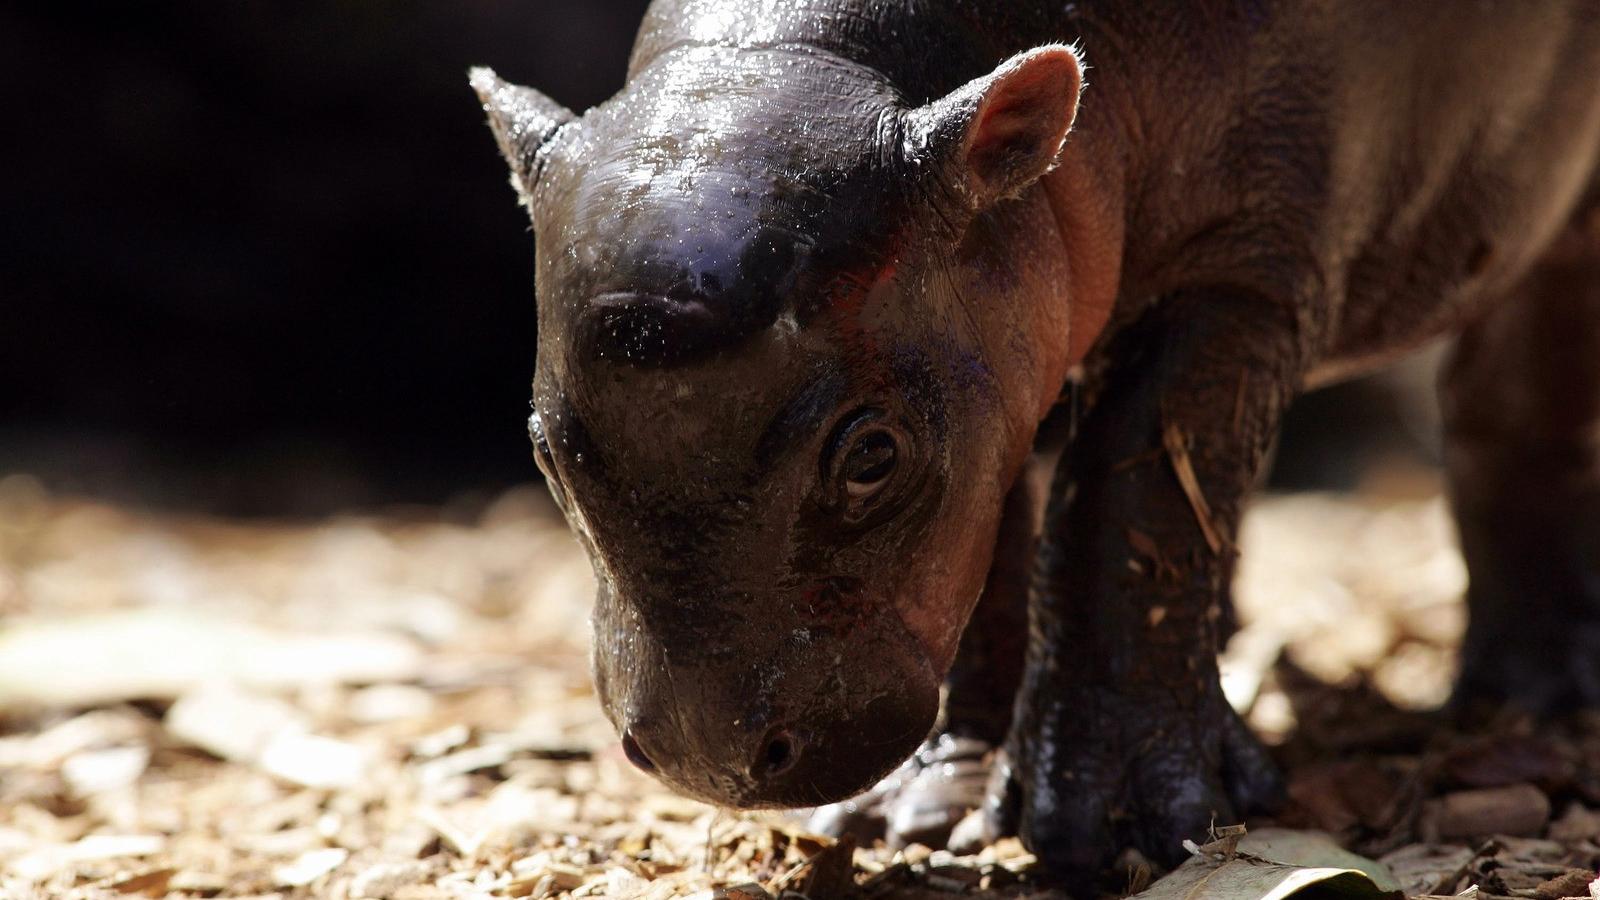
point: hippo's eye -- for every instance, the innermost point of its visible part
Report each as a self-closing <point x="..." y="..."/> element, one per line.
<point x="869" y="463"/>
<point x="864" y="457"/>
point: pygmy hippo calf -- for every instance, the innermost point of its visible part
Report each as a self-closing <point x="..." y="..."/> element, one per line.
<point x="871" y="360"/>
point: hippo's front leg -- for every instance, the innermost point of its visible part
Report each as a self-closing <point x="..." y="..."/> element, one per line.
<point x="1122" y="735"/>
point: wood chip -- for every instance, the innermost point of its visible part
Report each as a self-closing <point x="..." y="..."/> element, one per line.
<point x="314" y="761"/>
<point x="832" y="871"/>
<point x="153" y="882"/>
<point x="463" y="762"/>
<point x="1578" y="823"/>
<point x="203" y="884"/>
<point x="308" y="867"/>
<point x="231" y="722"/>
<point x="163" y="654"/>
<point x="1178" y="453"/>
<point x="382" y="881"/>
<point x="39" y="864"/>
<point x="1575" y="883"/>
<point x="1506" y="759"/>
<point x="100" y="771"/>
<point x="388" y="703"/>
<point x="1519" y="810"/>
<point x="1428" y="868"/>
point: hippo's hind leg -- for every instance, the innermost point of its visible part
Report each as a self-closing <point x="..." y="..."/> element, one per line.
<point x="1122" y="735"/>
<point x="923" y="800"/>
<point x="1521" y="400"/>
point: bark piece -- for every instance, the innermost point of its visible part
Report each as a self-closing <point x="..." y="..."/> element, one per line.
<point x="1520" y="810"/>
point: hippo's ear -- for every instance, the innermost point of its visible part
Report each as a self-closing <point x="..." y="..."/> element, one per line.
<point x="523" y="120"/>
<point x="999" y="134"/>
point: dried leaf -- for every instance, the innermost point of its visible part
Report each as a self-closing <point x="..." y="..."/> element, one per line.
<point x="1275" y="864"/>
<point x="1178" y="452"/>
<point x="154" y="882"/>
<point x="832" y="872"/>
<point x="1508" y="759"/>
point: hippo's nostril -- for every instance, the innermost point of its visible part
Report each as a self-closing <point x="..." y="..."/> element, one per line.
<point x="778" y="755"/>
<point x="635" y="753"/>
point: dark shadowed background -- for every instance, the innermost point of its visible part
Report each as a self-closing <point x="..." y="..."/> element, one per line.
<point x="262" y="257"/>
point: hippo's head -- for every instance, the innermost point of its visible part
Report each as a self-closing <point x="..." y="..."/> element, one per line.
<point x="796" y="333"/>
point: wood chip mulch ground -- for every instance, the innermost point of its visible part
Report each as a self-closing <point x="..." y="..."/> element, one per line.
<point x="398" y="706"/>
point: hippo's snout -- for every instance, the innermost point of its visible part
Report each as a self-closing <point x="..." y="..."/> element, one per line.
<point x="781" y="765"/>
<point x="787" y="722"/>
<point x="774" y="755"/>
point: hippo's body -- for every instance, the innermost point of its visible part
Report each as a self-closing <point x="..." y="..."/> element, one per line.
<point x="811" y="283"/>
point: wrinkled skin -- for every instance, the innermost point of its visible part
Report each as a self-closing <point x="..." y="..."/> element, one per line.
<point x="810" y="283"/>
<point x="762" y="638"/>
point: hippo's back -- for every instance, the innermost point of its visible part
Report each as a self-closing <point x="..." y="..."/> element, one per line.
<point x="1468" y="163"/>
<point x="1392" y="165"/>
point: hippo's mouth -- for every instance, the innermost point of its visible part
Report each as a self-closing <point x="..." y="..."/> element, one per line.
<point x="819" y="719"/>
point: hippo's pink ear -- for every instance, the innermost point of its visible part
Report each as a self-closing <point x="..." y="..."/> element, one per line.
<point x="999" y="134"/>
<point x="523" y="121"/>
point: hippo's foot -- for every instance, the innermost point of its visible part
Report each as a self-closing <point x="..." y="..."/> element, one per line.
<point x="920" y="802"/>
<point x="1533" y="634"/>
<point x="1101" y="770"/>
<point x="1546" y="663"/>
<point x="1521" y="403"/>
